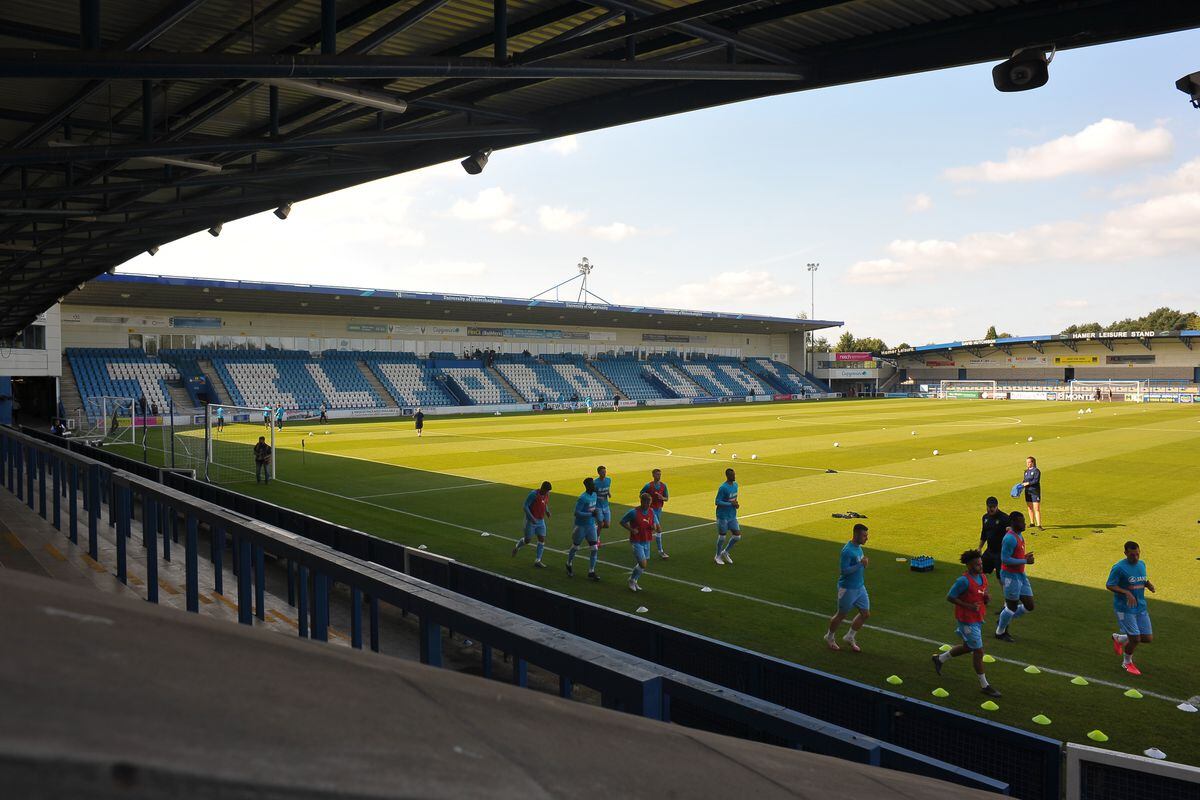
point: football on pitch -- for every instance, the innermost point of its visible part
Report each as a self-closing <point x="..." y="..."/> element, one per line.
<point x="1030" y="439"/>
<point x="935" y="452"/>
<point x="713" y="451"/>
<point x="837" y="444"/>
<point x="753" y="456"/>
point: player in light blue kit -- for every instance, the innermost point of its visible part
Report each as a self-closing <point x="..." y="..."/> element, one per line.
<point x="537" y="511"/>
<point x="852" y="591"/>
<point x="585" y="529"/>
<point x="1128" y="583"/>
<point x="603" y="494"/>
<point x="727" y="523"/>
<point x="220" y="418"/>
<point x="587" y="403"/>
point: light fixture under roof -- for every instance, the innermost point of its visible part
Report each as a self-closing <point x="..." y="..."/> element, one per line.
<point x="475" y="162"/>
<point x="349" y="94"/>
<point x="283" y="211"/>
<point x="215" y="230"/>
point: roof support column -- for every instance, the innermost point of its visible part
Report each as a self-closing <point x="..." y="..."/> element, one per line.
<point x="148" y="111"/>
<point x="630" y="41"/>
<point x="89" y="24"/>
<point x="273" y="106"/>
<point x="328" y="27"/>
<point x="500" y="31"/>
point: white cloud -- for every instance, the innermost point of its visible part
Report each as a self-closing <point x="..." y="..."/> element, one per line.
<point x="878" y="271"/>
<point x="1072" y="304"/>
<point x="493" y="203"/>
<point x="917" y="203"/>
<point x="1103" y="146"/>
<point x="1184" y="179"/>
<point x="731" y="291"/>
<point x="616" y="232"/>
<point x="564" y="146"/>
<point x="559" y="219"/>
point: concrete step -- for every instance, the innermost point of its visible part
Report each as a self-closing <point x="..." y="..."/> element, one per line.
<point x="376" y="384"/>
<point x="218" y="385"/>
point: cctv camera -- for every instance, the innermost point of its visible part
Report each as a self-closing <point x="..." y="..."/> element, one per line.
<point x="1027" y="69"/>
<point x="1190" y="85"/>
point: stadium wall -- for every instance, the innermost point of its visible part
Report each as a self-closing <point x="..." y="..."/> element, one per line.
<point x="17" y="362"/>
<point x="1164" y="360"/>
<point x="108" y="326"/>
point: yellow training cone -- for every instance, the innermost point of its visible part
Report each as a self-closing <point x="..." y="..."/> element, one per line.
<point x="988" y="705"/>
<point x="1042" y="719"/>
<point x="988" y="659"/>
<point x="1032" y="670"/>
<point x="1079" y="681"/>
<point x="945" y="648"/>
<point x="894" y="680"/>
<point x="1133" y="694"/>
<point x="940" y="692"/>
<point x="1097" y="736"/>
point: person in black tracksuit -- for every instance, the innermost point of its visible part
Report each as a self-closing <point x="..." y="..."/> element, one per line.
<point x="995" y="522"/>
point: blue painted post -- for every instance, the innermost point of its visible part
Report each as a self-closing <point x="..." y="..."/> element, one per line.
<point x="190" y="556"/>
<point x="320" y="627"/>
<point x="487" y="661"/>
<point x="260" y="575"/>
<point x="56" y="471"/>
<point x="124" y="499"/>
<point x="218" y="537"/>
<point x="166" y="524"/>
<point x="150" y="534"/>
<point x="93" y="509"/>
<point x="431" y="642"/>
<point x="235" y="562"/>
<point x="566" y="687"/>
<point x="374" y="623"/>
<point x="41" y="465"/>
<point x="73" y="503"/>
<point x="520" y="673"/>
<point x="110" y="491"/>
<point x="291" y="572"/>
<point x="30" y="460"/>
<point x="302" y="598"/>
<point x="242" y="547"/>
<point x="355" y="618"/>
<point x="19" y="456"/>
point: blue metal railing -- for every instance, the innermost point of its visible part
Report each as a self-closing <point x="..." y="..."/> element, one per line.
<point x="625" y="682"/>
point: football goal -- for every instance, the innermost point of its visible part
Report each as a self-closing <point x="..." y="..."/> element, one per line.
<point x="107" y="419"/>
<point x="973" y="390"/>
<point x="1100" y="390"/>
<point x="227" y="442"/>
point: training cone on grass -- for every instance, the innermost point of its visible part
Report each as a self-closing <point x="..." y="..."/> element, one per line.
<point x="894" y="680"/>
<point x="1041" y="719"/>
<point x="988" y="659"/>
<point x="1097" y="736"/>
<point x="940" y="692"/>
<point x="642" y="609"/>
<point x="706" y="589"/>
<point x="1079" y="681"/>
<point x="945" y="648"/>
<point x="989" y="705"/>
<point x="1032" y="670"/>
<point x="1154" y="752"/>
<point x="1188" y="707"/>
<point x="1133" y="694"/>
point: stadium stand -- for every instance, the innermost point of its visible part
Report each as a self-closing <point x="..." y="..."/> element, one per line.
<point x="556" y="378"/>
<point x="626" y="374"/>
<point x="725" y="378"/>
<point x="671" y="380"/>
<point x="782" y="375"/>
<point x="409" y="379"/>
<point x="121" y="373"/>
<point x="473" y="383"/>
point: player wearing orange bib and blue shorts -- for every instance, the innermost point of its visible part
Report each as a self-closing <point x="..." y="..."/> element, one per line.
<point x="641" y="524"/>
<point x="969" y="594"/>
<point x="1018" y="594"/>
<point x="537" y="511"/>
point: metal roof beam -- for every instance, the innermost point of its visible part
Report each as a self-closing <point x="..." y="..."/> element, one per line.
<point x="201" y="66"/>
<point x="36" y="33"/>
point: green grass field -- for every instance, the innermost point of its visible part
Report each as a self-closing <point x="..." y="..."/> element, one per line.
<point x="1123" y="472"/>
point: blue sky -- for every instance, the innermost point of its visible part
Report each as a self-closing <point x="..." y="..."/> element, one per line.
<point x="935" y="205"/>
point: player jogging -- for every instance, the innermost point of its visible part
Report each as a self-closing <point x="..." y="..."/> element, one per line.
<point x="587" y="403"/>
<point x="969" y="594"/>
<point x="419" y="421"/>
<point x="727" y="506"/>
<point x="1018" y="594"/>
<point x="537" y="511"/>
<point x="267" y="416"/>
<point x="641" y="524"/>
<point x="279" y="417"/>
<point x="603" y="493"/>
<point x="851" y="591"/>
<point x="1128" y="583"/>
<point x="220" y="418"/>
<point x="658" y="496"/>
<point x="585" y="530"/>
<point x="991" y="535"/>
<point x="1033" y="491"/>
<point x="324" y="416"/>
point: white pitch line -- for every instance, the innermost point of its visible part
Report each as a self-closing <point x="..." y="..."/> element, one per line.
<point x="739" y="595"/>
<point x="422" y="491"/>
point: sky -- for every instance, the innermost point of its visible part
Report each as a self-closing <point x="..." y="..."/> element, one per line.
<point x="935" y="206"/>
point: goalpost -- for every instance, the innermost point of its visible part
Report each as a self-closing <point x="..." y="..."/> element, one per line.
<point x="974" y="390"/>
<point x="109" y="419"/>
<point x="226" y="449"/>
<point x="1113" y="389"/>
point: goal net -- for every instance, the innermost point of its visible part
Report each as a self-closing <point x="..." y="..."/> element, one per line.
<point x="107" y="419"/>
<point x="228" y="439"/>
<point x="973" y="390"/>
<point x="1101" y="390"/>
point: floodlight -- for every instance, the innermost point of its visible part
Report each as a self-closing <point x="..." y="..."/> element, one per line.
<point x="283" y="211"/>
<point x="475" y="162"/>
<point x="215" y="230"/>
<point x="1190" y="85"/>
<point x="153" y="250"/>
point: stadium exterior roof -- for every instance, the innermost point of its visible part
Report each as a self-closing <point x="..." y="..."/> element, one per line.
<point x="131" y="123"/>
<point x="1070" y="340"/>
<point x="157" y="291"/>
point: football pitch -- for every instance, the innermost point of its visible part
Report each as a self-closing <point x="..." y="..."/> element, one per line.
<point x="1122" y="472"/>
